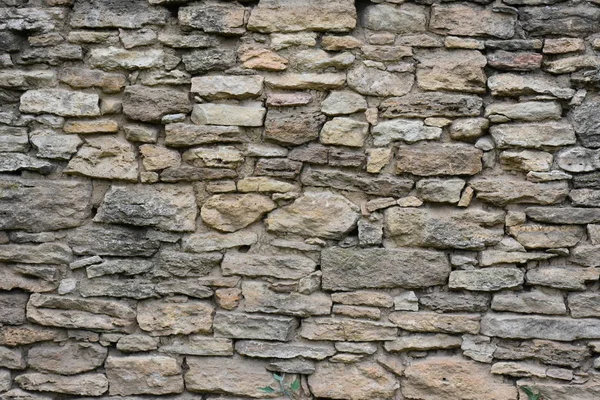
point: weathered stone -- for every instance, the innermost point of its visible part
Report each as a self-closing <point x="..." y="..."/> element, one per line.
<point x="163" y="318"/>
<point x="115" y="14"/>
<point x="85" y="78"/>
<point x="27" y="334"/>
<point x="114" y="58"/>
<point x="154" y="375"/>
<point x="14" y="162"/>
<point x="12" y="358"/>
<point x="478" y="348"/>
<point x="105" y="158"/>
<point x="31" y="278"/>
<point x="13" y="139"/>
<point x="347" y="329"/>
<point x="562" y="277"/>
<point x="514" y="61"/>
<point x="533" y="135"/>
<point x="68" y="359"/>
<point x="119" y="266"/>
<point x="18" y="394"/>
<point x="407" y="18"/>
<point x="141" y="133"/>
<point x="374" y="82"/>
<point x="266" y="185"/>
<point x="468" y="229"/>
<point x="407" y="130"/>
<point x="469" y="20"/>
<point x="258" y="298"/>
<point x="293" y="16"/>
<point x="422" y="343"/>
<point x="166" y="207"/>
<point x="489" y="279"/>
<point x="585" y="197"/>
<point x="453" y="377"/>
<point x="526" y="160"/>
<point x="60" y="102"/>
<point x="312" y="81"/>
<point x="468" y="129"/>
<point x="320" y="214"/>
<point x="522" y="85"/>
<point x="151" y="104"/>
<point x="253" y="326"/>
<point x="423" y="105"/>
<point x="366" y="298"/>
<point x="235" y="376"/>
<point x="223" y="86"/>
<point x="293" y="366"/>
<point x="313" y="351"/>
<point x="359" y="381"/>
<point x="76" y="313"/>
<point x="579" y="159"/>
<point x="584" y="305"/>
<point x="457" y="70"/>
<point x="548" y="352"/>
<point x="547" y="236"/>
<point x="529" y="111"/>
<point x="214" y="18"/>
<point x="218" y="241"/>
<point x="156" y="158"/>
<point x="12" y="308"/>
<point x="344" y="131"/>
<point x="92" y="384"/>
<point x="440" y="191"/>
<point x="318" y="60"/>
<point x="187" y="135"/>
<point x="136" y="343"/>
<point x="45" y="253"/>
<point x="434" y="322"/>
<point x="197" y="345"/>
<point x="439" y="159"/>
<point x="228" y="115"/>
<point x="564" y="215"/>
<point x="288" y="99"/>
<point x="98" y="239"/>
<point x="23" y="80"/>
<point x="280" y="41"/>
<point x="232" y="212"/>
<point x="295" y="126"/>
<point x="355" y="312"/>
<point x="493" y="257"/>
<point x="32" y="205"/>
<point x="504" y="191"/>
<point x="347" y="269"/>
<point x="586" y="123"/>
<point x="277" y="266"/>
<point x="342" y="102"/>
<point x="515" y="326"/>
<point x="569" y="20"/>
<point x="213" y="59"/>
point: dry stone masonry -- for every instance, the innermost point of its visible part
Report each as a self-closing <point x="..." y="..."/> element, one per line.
<point x="375" y="199"/>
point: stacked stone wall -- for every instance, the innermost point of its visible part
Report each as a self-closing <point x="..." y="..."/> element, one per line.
<point x="372" y="199"/>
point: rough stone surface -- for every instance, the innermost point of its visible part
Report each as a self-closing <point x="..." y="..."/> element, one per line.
<point x="438" y="159"/>
<point x="230" y="213"/>
<point x="60" y="102"/>
<point x="143" y="374"/>
<point x="163" y="318"/>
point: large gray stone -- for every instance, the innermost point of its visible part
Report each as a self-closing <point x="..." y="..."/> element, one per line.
<point x="114" y="58"/>
<point x="509" y="84"/>
<point x="405" y="19"/>
<point x="60" y="102"/>
<point x="371" y="81"/>
<point x="35" y="206"/>
<point x="528" y="111"/>
<point x="45" y="253"/>
<point x="91" y="384"/>
<point x="12" y="308"/>
<point x="347" y="269"/>
<point x="259" y="349"/>
<point x="31" y="278"/>
<point x="455" y="70"/>
<point x="212" y="59"/>
<point x="547" y="236"/>
<point x="165" y="207"/>
<point x="145" y="374"/>
<point x="438" y="159"/>
<point x="347" y="330"/>
<point x="408" y="130"/>
<point x="226" y="19"/>
<point x="514" y="326"/>
<point x="125" y="266"/>
<point x="112" y="240"/>
<point x="187" y="135"/>
<point x="212" y="241"/>
<point x="579" y="159"/>
<point x="533" y="135"/>
<point x="567" y="278"/>
<point x="69" y="358"/>
<point x="105" y="158"/>
<point x="434" y="322"/>
<point x="280" y="266"/>
<point x="456" y="301"/>
<point x="586" y="122"/>
<point x="584" y="305"/>
<point x="569" y="20"/>
<point x="564" y="215"/>
<point x="163" y="318"/>
<point x="116" y="14"/>
<point x="16" y="162"/>
<point x="151" y="104"/>
<point x="534" y="302"/>
<point x="238" y="325"/>
<point x="13" y="139"/>
<point x="258" y="298"/>
<point x="470" y="20"/>
<point x="444" y="228"/>
<point x="502" y="191"/>
<point x="423" y="105"/>
<point x="486" y="280"/>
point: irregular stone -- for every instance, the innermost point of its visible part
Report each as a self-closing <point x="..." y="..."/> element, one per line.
<point x="342" y="102"/>
<point x="228" y="115"/>
<point x="440" y="228"/>
<point x="562" y="277"/>
<point x="356" y="348"/>
<point x="457" y="70"/>
<point x="439" y="159"/>
<point x="151" y="104"/>
<point x="114" y="58"/>
<point x="486" y="280"/>
<point x="504" y="191"/>
<point x="579" y="159"/>
<point x="533" y="135"/>
<point x="313" y="215"/>
<point x="363" y="297"/>
<point x="45" y="253"/>
<point x="585" y="197"/>
<point x="32" y="205"/>
<point x="318" y="60"/>
<point x="310" y="15"/>
<point x="514" y="61"/>
<point x="288" y="99"/>
<point x="13" y="139"/>
<point x="232" y="212"/>
<point x="28" y="334"/>
<point x="253" y="326"/>
<point x="355" y="312"/>
<point x="515" y="326"/>
<point x="217" y="241"/>
<point x="403" y="129"/>
<point x="455" y="301"/>
<point x="166" y="207"/>
<point x="213" y="59"/>
<point x="237" y="376"/>
<point x="452" y="377"/>
<point x="522" y="85"/>
<point x="551" y="176"/>
<point x="214" y="18"/>
<point x="119" y="266"/>
<point x="105" y="158"/>
<point x="434" y="322"/>
<point x="347" y="330"/>
<point x="264" y="184"/>
<point x="92" y="384"/>
<point x="584" y="305"/>
<point x="68" y="359"/>
<point x="31" y="278"/>
<point x="141" y="133"/>
<point x="293" y="126"/>
<point x="60" y="102"/>
<point x="145" y="374"/>
<point x="313" y="351"/>
<point x="12" y="308"/>
<point x="293" y="366"/>
<point x="310" y="81"/>
<point x="469" y="20"/>
<point x="162" y="318"/>
<point x="370" y="81"/>
<point x="345" y="132"/>
<point x="137" y="343"/>
<point x="423" y="105"/>
<point x="422" y="343"/>
<point x="528" y="111"/>
<point x="112" y="240"/>
<point x="359" y="381"/>
<point x="567" y="20"/>
<point x="468" y="129"/>
<point x="548" y="352"/>
<point x="564" y="215"/>
<point x="280" y="41"/>
<point x="346" y="269"/>
<point x="586" y="123"/>
<point x="526" y="160"/>
<point x="18" y="394"/>
<point x="24" y="80"/>
<point x="14" y="162"/>
<point x="258" y="298"/>
<point x="478" y="348"/>
<point x="115" y="14"/>
<point x="12" y="358"/>
<point x="76" y="313"/>
<point x="440" y="191"/>
<point x="85" y="78"/>
<point x="156" y="158"/>
<point x="223" y="86"/>
<point x="197" y="345"/>
<point x="547" y="236"/>
<point x="187" y="135"/>
<point x="407" y="18"/>
<point x="493" y="257"/>
<point x="278" y="266"/>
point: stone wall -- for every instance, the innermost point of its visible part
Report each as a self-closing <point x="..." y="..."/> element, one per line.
<point x="375" y="200"/>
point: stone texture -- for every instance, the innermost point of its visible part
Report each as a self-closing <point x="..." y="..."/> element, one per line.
<point x="537" y="327"/>
<point x="370" y="81"/>
<point x="431" y="105"/>
<point x="504" y="191"/>
<point x="420" y="342"/>
<point x="253" y="326"/>
<point x="403" y="129"/>
<point x="547" y="236"/>
<point x="344" y="131"/>
<point x="143" y="375"/>
<point x="114" y="14"/>
<point x="438" y="159"/>
<point x="277" y="266"/>
<point x="68" y="359"/>
<point x="60" y="102"/>
<point x="347" y="269"/>
<point x="151" y="104"/>
<point x="347" y="329"/>
<point x="259" y="349"/>
<point x="223" y="87"/>
<point x="529" y="111"/>
<point x="91" y="384"/>
<point x="457" y="70"/>
<point x="569" y="278"/>
<point x="533" y="135"/>
<point x="163" y="318"/>
<point x="518" y="85"/>
<point x="228" y="115"/>
<point x="434" y="322"/>
<point x="258" y="298"/>
<point x="489" y="279"/>
<point x="230" y="213"/>
<point x="227" y="19"/>
<point x="98" y="239"/>
<point x="105" y="158"/>
<point x="467" y="20"/>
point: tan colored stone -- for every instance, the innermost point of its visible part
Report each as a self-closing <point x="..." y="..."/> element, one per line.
<point x="344" y="132"/>
<point x="147" y="374"/>
<point x="471" y="20"/>
<point x="536" y="236"/>
<point x="456" y="70"/>
<point x="91" y="384"/>
<point x="232" y="212"/>
<point x="439" y="159"/>
<point x="156" y="158"/>
<point x="434" y="322"/>
<point x="163" y="318"/>
<point x="347" y="329"/>
<point x="105" y="158"/>
<point x="377" y="159"/>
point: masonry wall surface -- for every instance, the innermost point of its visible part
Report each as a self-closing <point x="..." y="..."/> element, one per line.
<point x="373" y="200"/>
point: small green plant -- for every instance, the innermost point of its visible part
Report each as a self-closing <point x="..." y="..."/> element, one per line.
<point x="288" y="390"/>
<point x="531" y="395"/>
